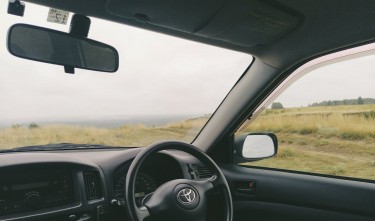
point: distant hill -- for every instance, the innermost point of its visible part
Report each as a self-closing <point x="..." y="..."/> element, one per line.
<point x="357" y="101"/>
<point x="105" y="122"/>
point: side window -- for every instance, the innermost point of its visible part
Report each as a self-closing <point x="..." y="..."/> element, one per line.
<point x="325" y="121"/>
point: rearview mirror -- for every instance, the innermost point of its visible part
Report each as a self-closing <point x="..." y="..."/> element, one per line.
<point x="55" y="47"/>
<point x="255" y="146"/>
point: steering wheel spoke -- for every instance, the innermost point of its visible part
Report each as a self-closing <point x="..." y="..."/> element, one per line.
<point x="207" y="186"/>
<point x="142" y="213"/>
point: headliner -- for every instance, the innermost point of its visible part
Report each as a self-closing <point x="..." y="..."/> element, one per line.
<point x="281" y="33"/>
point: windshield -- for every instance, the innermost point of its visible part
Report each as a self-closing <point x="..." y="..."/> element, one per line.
<point x="165" y="88"/>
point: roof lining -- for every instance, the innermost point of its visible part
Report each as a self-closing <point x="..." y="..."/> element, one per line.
<point x="322" y="28"/>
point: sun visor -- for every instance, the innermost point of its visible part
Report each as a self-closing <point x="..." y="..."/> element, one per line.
<point x="242" y="22"/>
<point x="183" y="15"/>
<point x="251" y="23"/>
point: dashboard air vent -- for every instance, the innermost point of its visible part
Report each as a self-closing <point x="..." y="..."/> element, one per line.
<point x="201" y="171"/>
<point x="92" y="185"/>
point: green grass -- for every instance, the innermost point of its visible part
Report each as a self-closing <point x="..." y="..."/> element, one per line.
<point x="336" y="140"/>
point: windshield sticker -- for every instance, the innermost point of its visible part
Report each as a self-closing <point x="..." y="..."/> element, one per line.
<point x="58" y="16"/>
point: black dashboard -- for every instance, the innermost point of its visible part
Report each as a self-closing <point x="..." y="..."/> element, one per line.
<point x="82" y="184"/>
<point x="35" y="187"/>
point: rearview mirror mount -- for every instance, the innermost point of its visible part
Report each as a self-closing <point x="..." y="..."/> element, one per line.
<point x="60" y="48"/>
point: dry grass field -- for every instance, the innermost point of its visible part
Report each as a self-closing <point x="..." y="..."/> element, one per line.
<point x="335" y="140"/>
<point x="125" y="136"/>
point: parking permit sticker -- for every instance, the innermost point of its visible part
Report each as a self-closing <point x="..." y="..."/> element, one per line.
<point x="58" y="16"/>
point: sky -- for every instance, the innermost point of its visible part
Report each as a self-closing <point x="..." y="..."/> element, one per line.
<point x="158" y="75"/>
<point x="347" y="79"/>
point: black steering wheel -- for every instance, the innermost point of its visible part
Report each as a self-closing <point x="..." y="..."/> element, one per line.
<point x="180" y="199"/>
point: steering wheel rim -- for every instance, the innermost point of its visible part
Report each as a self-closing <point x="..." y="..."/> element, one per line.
<point x="166" y="200"/>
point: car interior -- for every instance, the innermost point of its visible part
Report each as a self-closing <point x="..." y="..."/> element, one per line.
<point x="206" y="179"/>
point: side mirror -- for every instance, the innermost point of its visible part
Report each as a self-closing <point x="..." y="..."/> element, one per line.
<point x="55" y="47"/>
<point x="255" y="146"/>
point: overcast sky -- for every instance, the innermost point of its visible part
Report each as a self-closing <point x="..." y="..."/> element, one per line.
<point x="348" y="79"/>
<point x="158" y="75"/>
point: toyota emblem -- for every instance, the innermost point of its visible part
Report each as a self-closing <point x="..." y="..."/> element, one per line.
<point x="186" y="196"/>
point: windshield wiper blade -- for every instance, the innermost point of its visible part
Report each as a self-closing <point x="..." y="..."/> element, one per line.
<point x="59" y="146"/>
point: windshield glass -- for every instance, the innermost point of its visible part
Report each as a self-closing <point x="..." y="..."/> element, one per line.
<point x="165" y="88"/>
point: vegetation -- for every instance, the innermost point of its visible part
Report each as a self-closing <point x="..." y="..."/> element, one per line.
<point x="125" y="136"/>
<point x="277" y="105"/>
<point x="359" y="101"/>
<point x="33" y="125"/>
<point x="334" y="140"/>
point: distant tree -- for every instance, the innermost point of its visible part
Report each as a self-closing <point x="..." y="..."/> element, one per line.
<point x="277" y="105"/>
<point x="360" y="100"/>
<point x="355" y="101"/>
<point x="33" y="125"/>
